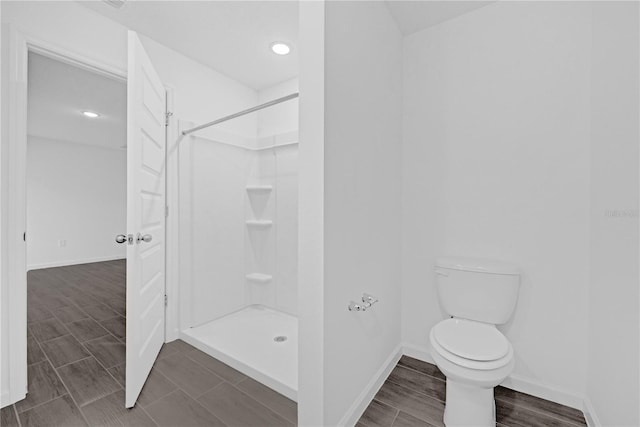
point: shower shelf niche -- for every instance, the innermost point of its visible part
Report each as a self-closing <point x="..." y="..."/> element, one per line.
<point x="259" y="188"/>
<point x="259" y="277"/>
<point x="259" y="223"/>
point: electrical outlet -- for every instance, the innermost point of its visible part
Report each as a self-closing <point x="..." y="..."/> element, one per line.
<point x="62" y="243"/>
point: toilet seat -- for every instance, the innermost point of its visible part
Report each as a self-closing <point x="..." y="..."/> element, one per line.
<point x="471" y="344"/>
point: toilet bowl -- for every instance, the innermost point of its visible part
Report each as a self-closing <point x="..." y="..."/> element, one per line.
<point x="467" y="347"/>
<point x="475" y="357"/>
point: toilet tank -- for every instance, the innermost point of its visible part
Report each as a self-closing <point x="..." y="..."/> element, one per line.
<point x="477" y="289"/>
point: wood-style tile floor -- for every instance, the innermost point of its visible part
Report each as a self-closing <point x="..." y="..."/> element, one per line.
<point x="76" y="355"/>
<point x="414" y="395"/>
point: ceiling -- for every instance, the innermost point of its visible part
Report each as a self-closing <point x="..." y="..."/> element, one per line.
<point x="59" y="92"/>
<point x="232" y="37"/>
<point x="413" y="16"/>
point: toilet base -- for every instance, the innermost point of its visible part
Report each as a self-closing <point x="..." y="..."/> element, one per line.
<point x="469" y="406"/>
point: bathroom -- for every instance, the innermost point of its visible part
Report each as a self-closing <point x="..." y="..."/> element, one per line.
<point x="499" y="130"/>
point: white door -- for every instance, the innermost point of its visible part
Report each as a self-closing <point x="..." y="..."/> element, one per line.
<point x="146" y="146"/>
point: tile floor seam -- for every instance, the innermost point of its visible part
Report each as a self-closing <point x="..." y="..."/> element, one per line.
<point x="41" y="403"/>
<point x="67" y="389"/>
<point x="50" y="400"/>
<point x="211" y="389"/>
<point x="395" y="417"/>
<point x="101" y="364"/>
<point x="534" y="408"/>
<point x="15" y="411"/>
<point x="122" y="387"/>
<point x="198" y="403"/>
<point x="259" y="403"/>
<point x="209" y="370"/>
<point x="147" y="414"/>
<point x="413" y="390"/>
<point x="537" y="411"/>
<point x="294" y="422"/>
<point x="41" y="351"/>
<point x="162" y="397"/>
<point x="420" y="372"/>
<point x="75" y="361"/>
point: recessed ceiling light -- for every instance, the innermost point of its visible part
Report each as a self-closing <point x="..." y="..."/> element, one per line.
<point x="280" y="48"/>
<point x="91" y="114"/>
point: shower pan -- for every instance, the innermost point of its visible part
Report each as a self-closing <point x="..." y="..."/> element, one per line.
<point x="238" y="197"/>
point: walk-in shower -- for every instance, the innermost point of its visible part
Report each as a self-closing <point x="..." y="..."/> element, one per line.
<point x="238" y="231"/>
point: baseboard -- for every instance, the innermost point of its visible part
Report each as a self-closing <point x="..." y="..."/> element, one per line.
<point x="420" y="353"/>
<point x="358" y="407"/>
<point x="543" y="391"/>
<point x="5" y="398"/>
<point x="514" y="382"/>
<point x="73" y="262"/>
<point x="590" y="414"/>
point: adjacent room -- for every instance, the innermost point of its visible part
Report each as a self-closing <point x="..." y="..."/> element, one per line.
<point x="320" y="213"/>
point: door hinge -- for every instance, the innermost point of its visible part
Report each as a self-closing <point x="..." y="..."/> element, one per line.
<point x="24" y="236"/>
<point x="166" y="117"/>
<point x="166" y="302"/>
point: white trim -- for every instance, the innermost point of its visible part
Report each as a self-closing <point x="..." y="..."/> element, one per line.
<point x="238" y="365"/>
<point x="417" y="352"/>
<point x="172" y="222"/>
<point x="183" y="210"/>
<point x="16" y="215"/>
<point x="20" y="44"/>
<point x="514" y="382"/>
<point x="64" y="263"/>
<point x="590" y="414"/>
<point x="355" y="411"/>
<point x="543" y="391"/>
<point x="59" y="53"/>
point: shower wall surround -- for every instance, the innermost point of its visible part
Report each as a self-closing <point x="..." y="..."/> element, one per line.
<point x="241" y="186"/>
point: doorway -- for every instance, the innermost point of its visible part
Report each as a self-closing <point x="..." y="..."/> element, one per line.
<point x="76" y="171"/>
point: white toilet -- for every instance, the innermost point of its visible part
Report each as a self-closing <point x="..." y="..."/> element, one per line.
<point x="468" y="348"/>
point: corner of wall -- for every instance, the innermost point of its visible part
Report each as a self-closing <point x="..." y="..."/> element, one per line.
<point x="590" y="414"/>
<point x="361" y="403"/>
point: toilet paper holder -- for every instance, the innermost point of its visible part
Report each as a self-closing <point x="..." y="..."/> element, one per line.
<point x="367" y="301"/>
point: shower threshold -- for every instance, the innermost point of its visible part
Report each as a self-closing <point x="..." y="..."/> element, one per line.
<point x="258" y="341"/>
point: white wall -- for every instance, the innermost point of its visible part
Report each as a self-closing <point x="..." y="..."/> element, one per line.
<point x="218" y="175"/>
<point x="612" y="376"/>
<point x="280" y="118"/>
<point x="279" y="167"/>
<point x="200" y="94"/>
<point x="311" y="363"/>
<point x="77" y="193"/>
<point x="4" y="313"/>
<point x="363" y="60"/>
<point x="223" y="249"/>
<point x="496" y="164"/>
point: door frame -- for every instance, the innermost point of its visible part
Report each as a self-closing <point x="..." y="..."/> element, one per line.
<point x="20" y="44"/>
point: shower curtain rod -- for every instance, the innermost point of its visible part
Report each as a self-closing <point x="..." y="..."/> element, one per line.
<point x="242" y="113"/>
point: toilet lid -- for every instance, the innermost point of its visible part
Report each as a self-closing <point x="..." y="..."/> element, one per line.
<point x="471" y="340"/>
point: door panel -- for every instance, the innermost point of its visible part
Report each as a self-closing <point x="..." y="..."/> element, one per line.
<point x="146" y="145"/>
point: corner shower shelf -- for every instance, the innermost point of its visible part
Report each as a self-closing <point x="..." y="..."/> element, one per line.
<point x="259" y="277"/>
<point x="259" y="188"/>
<point x="259" y="223"/>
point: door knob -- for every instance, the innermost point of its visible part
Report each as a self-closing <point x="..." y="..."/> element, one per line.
<point x="146" y="238"/>
<point x="121" y="238"/>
